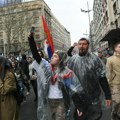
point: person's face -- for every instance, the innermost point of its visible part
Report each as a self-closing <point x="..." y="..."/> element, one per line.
<point x="40" y="54"/>
<point x="55" y="60"/>
<point x="13" y="64"/>
<point x="29" y="59"/>
<point x="100" y="55"/>
<point x="83" y="46"/>
<point x="117" y="48"/>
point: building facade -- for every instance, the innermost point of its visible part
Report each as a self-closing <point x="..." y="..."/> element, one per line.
<point x="61" y="40"/>
<point x="16" y="21"/>
<point x="106" y="19"/>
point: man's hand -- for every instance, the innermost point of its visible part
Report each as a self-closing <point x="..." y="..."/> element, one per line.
<point x="79" y="113"/>
<point x="30" y="35"/>
<point x="108" y="103"/>
<point x="75" y="44"/>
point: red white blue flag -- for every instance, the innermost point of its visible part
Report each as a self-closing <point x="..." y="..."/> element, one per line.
<point x="48" y="43"/>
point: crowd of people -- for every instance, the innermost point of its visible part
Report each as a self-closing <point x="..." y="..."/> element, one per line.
<point x="70" y="86"/>
<point x="16" y="78"/>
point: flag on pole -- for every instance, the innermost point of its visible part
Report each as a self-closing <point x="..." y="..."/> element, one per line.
<point x="48" y="43"/>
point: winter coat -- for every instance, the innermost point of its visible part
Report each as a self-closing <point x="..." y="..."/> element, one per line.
<point x="91" y="74"/>
<point x="8" y="103"/>
<point x="113" y="70"/>
<point x="68" y="84"/>
<point x="113" y="76"/>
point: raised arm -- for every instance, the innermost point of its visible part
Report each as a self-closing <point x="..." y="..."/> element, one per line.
<point x="33" y="48"/>
<point x="69" y="52"/>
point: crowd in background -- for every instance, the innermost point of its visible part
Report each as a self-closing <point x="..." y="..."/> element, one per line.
<point x="58" y="82"/>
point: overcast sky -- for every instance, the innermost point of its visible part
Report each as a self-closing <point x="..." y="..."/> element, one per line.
<point x="70" y="16"/>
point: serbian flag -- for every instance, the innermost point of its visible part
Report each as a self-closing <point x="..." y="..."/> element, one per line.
<point x="48" y="43"/>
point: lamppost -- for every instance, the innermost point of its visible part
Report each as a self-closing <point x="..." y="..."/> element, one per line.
<point x="90" y="36"/>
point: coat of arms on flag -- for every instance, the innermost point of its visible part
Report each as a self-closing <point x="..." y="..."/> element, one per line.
<point x="48" y="43"/>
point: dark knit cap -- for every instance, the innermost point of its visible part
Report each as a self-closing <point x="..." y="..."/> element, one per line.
<point x="81" y="39"/>
<point x="62" y="55"/>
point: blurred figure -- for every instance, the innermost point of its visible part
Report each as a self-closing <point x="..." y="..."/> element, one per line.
<point x="33" y="77"/>
<point x="19" y="79"/>
<point x="44" y="56"/>
<point x="24" y="66"/>
<point x="100" y="55"/>
<point x="73" y="50"/>
<point x="8" y="103"/>
<point x="113" y="75"/>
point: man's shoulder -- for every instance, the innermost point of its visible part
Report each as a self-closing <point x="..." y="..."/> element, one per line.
<point x="111" y="58"/>
<point x="93" y="56"/>
<point x="73" y="58"/>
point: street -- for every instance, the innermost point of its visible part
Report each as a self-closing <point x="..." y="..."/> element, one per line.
<point x="29" y="108"/>
<point x="106" y="114"/>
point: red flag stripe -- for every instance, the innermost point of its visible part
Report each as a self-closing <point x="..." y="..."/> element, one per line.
<point x="47" y="32"/>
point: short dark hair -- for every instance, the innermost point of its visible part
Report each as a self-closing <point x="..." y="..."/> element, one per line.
<point x="115" y="45"/>
<point x="82" y="39"/>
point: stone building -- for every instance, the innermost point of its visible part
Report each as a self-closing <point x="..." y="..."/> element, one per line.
<point x="16" y="21"/>
<point x="106" y="19"/>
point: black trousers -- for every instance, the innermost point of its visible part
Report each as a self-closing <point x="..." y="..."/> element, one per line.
<point x="34" y="85"/>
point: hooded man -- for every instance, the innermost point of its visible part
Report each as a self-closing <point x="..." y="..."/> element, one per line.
<point x="91" y="74"/>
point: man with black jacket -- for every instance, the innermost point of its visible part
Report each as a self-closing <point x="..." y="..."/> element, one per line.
<point x="91" y="74"/>
<point x="24" y="66"/>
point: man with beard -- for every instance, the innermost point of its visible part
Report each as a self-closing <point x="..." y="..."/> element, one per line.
<point x="91" y="74"/>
